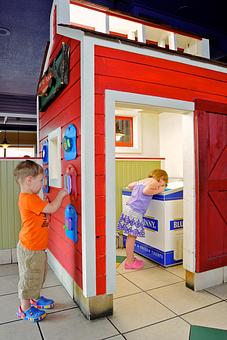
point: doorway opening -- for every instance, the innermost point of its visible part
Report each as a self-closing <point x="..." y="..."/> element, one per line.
<point x="165" y="139"/>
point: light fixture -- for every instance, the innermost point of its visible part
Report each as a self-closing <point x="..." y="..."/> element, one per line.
<point x="4" y="32"/>
<point x="5" y="143"/>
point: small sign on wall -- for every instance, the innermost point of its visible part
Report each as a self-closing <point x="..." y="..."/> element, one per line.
<point x="54" y="79"/>
<point x="69" y="142"/>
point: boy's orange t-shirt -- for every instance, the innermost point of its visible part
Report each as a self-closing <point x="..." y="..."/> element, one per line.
<point x="34" y="231"/>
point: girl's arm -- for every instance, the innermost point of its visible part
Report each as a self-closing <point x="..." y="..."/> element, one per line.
<point x="133" y="184"/>
<point x="153" y="187"/>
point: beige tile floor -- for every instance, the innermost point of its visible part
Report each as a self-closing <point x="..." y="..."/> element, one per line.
<point x="152" y="303"/>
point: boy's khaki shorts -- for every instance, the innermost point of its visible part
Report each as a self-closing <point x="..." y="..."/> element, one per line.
<point x="32" y="272"/>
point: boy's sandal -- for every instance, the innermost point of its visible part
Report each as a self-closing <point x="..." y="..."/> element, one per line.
<point x="42" y="303"/>
<point x="31" y="314"/>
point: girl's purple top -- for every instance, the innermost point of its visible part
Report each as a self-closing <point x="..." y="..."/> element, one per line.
<point x="138" y="201"/>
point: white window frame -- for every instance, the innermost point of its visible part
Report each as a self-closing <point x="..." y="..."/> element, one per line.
<point x="137" y="138"/>
<point x="54" y="152"/>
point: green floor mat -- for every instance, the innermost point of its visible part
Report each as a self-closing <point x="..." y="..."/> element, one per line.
<point x="206" y="333"/>
<point x="119" y="260"/>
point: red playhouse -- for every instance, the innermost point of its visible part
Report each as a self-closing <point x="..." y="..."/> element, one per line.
<point x="107" y="75"/>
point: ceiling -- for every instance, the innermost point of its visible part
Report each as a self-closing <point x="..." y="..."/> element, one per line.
<point x="27" y="22"/>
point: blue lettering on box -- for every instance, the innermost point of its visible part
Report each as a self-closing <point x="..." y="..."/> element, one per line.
<point x="176" y="224"/>
<point x="157" y="255"/>
<point x="151" y="223"/>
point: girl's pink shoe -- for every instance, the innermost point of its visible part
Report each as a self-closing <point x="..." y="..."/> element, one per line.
<point x="136" y="264"/>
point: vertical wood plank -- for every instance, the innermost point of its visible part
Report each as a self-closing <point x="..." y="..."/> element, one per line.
<point x="9" y="214"/>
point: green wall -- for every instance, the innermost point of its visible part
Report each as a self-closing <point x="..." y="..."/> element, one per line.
<point x="9" y="213"/>
<point x="129" y="171"/>
<point x="126" y="171"/>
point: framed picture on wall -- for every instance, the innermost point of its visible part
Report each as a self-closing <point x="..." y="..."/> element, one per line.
<point x="124" y="131"/>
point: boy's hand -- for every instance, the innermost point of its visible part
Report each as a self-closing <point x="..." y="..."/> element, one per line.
<point x="62" y="193"/>
<point x="56" y="203"/>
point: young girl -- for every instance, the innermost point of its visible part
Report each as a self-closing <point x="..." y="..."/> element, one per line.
<point x="131" y="220"/>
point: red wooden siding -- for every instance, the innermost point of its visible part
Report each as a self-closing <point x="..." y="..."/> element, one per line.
<point x="65" y="109"/>
<point x="211" y="185"/>
<point x="136" y="73"/>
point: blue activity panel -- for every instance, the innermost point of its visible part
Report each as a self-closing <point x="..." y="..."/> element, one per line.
<point x="69" y="143"/>
<point x="70" y="226"/>
<point x="46" y="187"/>
<point x="45" y="153"/>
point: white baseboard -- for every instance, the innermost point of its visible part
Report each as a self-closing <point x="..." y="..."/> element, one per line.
<point x="8" y="256"/>
<point x="5" y="256"/>
<point x="61" y="273"/>
<point x="14" y="255"/>
<point x="210" y="278"/>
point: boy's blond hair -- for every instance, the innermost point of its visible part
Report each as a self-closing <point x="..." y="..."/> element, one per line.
<point x="159" y="174"/>
<point x="25" y="169"/>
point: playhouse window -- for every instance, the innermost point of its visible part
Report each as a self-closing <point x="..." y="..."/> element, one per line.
<point x="127" y="130"/>
<point x="54" y="142"/>
<point x="124" y="131"/>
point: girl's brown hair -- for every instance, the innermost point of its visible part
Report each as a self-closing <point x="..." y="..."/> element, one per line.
<point x="159" y="174"/>
<point x="27" y="168"/>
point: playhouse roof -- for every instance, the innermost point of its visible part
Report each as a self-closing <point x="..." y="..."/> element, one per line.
<point x="114" y="23"/>
<point x="112" y="37"/>
<point x="121" y="14"/>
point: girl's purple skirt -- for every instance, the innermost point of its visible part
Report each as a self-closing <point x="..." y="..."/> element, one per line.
<point x="131" y="222"/>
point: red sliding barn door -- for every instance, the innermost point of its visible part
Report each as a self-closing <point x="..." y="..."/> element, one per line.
<point x="211" y="185"/>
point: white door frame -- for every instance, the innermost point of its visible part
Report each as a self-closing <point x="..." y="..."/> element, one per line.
<point x="111" y="97"/>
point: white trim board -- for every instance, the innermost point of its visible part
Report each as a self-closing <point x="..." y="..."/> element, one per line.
<point x="61" y="273"/>
<point x="88" y="169"/>
<point x="111" y="97"/>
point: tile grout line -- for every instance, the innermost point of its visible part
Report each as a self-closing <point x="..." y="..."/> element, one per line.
<point x="197" y="309"/>
<point x="113" y="336"/>
<point x="161" y="303"/>
<point x="168" y="307"/>
<point x="11" y="321"/>
<point x="6" y="275"/>
<point x="168" y="285"/>
<point x="143" y="291"/>
<point x="152" y="324"/>
<point x="214" y="295"/>
<point x="173" y="273"/>
<point x="113" y="326"/>
<point x="185" y="320"/>
<point x="54" y="312"/>
<point x="63" y="310"/>
<point x="136" y="293"/>
<point x="40" y="331"/>
<point x="1" y="295"/>
<point x="7" y="294"/>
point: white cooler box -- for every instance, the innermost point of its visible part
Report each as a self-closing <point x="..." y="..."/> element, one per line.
<point x="163" y="241"/>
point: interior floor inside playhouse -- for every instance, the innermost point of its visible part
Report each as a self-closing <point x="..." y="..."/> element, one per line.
<point x="150" y="137"/>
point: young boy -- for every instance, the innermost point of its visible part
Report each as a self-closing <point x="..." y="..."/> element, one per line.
<point x="33" y="238"/>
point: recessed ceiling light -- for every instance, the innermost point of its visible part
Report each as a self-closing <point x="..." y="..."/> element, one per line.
<point x="4" y="31"/>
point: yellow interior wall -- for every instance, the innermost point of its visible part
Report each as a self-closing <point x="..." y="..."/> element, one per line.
<point x="128" y="171"/>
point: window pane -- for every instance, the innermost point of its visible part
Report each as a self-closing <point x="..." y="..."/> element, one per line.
<point x="124" y="131"/>
<point x="1" y="152"/>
